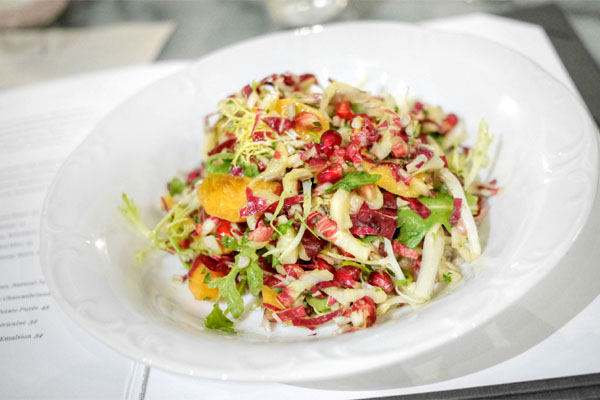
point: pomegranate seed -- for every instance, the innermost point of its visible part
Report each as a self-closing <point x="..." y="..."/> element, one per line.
<point x="381" y="279"/>
<point x="332" y="173"/>
<point x="329" y="140"/>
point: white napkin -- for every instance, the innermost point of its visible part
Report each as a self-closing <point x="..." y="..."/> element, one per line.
<point x="37" y="54"/>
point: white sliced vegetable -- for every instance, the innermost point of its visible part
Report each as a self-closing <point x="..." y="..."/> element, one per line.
<point x="340" y="209"/>
<point x="390" y="261"/>
<point x="351" y="245"/>
<point x="456" y="190"/>
<point x="293" y="248"/>
<point x="433" y="250"/>
<point x="347" y="296"/>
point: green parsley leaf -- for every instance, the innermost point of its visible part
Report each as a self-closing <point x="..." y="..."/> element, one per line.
<point x="176" y="186"/>
<point x="217" y="320"/>
<point x="354" y="180"/>
<point x="413" y="228"/>
<point x="317" y="124"/>
<point x="447" y="277"/>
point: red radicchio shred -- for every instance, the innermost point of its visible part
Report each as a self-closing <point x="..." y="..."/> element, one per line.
<point x="352" y="154"/>
<point x="312" y="323"/>
<point x="400" y="149"/>
<point x="417" y="107"/>
<point x="258" y="136"/>
<point x="382" y="279"/>
<point x="236" y="171"/>
<point x="217" y="264"/>
<point x="317" y="163"/>
<point x="389" y="200"/>
<point x="425" y="152"/>
<point x="445" y="160"/>
<point x="327" y="284"/>
<point x="312" y="244"/>
<point x="287" y="203"/>
<point x="418" y="207"/>
<point x="192" y="176"/>
<point x="274" y="281"/>
<point x="184" y="243"/>
<point x="366" y="135"/>
<point x="165" y="206"/>
<point x="288" y="79"/>
<point x="327" y="227"/>
<point x="348" y="276"/>
<point x="265" y="265"/>
<point x="362" y="231"/>
<point x="256" y="119"/>
<point x="293" y="270"/>
<point x="278" y="124"/>
<point x="384" y="221"/>
<point x="331" y="301"/>
<point x="404" y="251"/>
<point x="367" y="306"/>
<point x="227" y="144"/>
<point x="193" y="268"/>
<point x="322" y="264"/>
<point x="448" y="123"/>
<point x="247" y="91"/>
<point x="272" y="308"/>
<point x="285" y="298"/>
<point x="261" y="166"/>
<point x="292" y="313"/>
<point x="455" y="217"/>
<point x="255" y="205"/>
<point x="261" y="233"/>
<point x="304" y="77"/>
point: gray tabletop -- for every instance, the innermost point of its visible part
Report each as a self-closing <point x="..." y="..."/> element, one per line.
<point x="206" y="25"/>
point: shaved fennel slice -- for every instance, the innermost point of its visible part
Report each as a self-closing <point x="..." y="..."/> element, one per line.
<point x="391" y="261"/>
<point x="347" y="296"/>
<point x="291" y="251"/>
<point x="433" y="250"/>
<point x="340" y="209"/>
<point x="457" y="192"/>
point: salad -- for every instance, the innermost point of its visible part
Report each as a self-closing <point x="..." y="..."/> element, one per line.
<point x="329" y="205"/>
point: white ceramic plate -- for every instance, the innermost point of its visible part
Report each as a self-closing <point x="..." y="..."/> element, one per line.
<point x="547" y="163"/>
